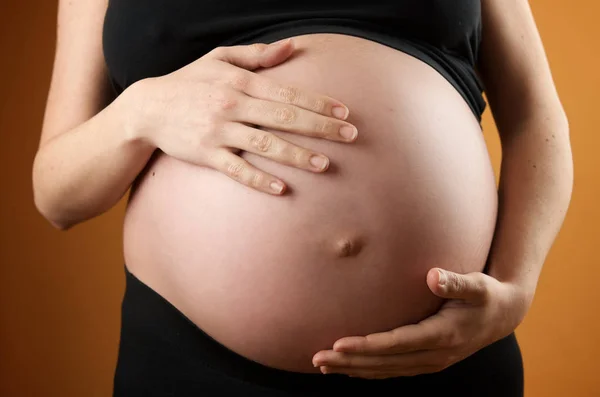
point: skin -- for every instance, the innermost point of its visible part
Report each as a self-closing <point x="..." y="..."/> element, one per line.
<point x="291" y="247"/>
<point x="536" y="182"/>
<point x="106" y="149"/>
<point x="89" y="155"/>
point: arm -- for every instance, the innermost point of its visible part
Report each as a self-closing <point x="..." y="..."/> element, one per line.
<point x="536" y="176"/>
<point x="88" y="156"/>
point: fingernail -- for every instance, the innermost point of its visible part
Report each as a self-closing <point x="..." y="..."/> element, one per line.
<point x="442" y="279"/>
<point x="348" y="132"/>
<point x="340" y="112"/>
<point x="319" y="162"/>
<point x="277" y="187"/>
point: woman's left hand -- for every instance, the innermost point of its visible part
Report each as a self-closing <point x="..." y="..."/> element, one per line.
<point x="480" y="311"/>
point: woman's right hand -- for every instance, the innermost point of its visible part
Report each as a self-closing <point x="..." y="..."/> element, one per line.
<point x="205" y="113"/>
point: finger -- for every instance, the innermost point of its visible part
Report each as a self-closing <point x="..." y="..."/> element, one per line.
<point x="254" y="56"/>
<point x="382" y="362"/>
<point x="265" y="88"/>
<point x="241" y="171"/>
<point x="430" y="333"/>
<point x="378" y="373"/>
<point x="472" y="287"/>
<point x="269" y="145"/>
<point x="290" y="118"/>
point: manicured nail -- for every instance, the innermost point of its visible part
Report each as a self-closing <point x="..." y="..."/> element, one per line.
<point x="348" y="132"/>
<point x="319" y="162"/>
<point x="277" y="187"/>
<point x="340" y="112"/>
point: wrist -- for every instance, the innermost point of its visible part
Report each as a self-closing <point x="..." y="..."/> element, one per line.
<point x="524" y="288"/>
<point x="130" y="110"/>
<point x="522" y="275"/>
<point x="520" y="292"/>
<point x="522" y="298"/>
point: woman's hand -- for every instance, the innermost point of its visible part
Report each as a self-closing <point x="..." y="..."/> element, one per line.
<point x="205" y="113"/>
<point x="480" y="311"/>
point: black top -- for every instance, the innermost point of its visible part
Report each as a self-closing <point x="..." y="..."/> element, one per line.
<point x="147" y="38"/>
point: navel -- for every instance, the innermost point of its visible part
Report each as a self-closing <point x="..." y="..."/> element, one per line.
<point x="347" y="246"/>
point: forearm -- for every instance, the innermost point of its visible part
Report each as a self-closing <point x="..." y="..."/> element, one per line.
<point x="83" y="172"/>
<point x="536" y="181"/>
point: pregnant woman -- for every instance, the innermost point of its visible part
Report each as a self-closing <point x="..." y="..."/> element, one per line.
<point x="313" y="211"/>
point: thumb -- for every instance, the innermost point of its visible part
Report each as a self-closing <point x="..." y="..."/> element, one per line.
<point x="254" y="56"/>
<point x="449" y="285"/>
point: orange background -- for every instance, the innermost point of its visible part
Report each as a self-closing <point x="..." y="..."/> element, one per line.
<point x="60" y="291"/>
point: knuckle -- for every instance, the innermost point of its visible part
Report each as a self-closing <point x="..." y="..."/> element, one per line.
<point x="211" y="135"/>
<point x="375" y="340"/>
<point x="285" y="115"/>
<point x="486" y="295"/>
<point x="482" y="287"/>
<point x="289" y="94"/>
<point x="257" y="48"/>
<point x="225" y="101"/>
<point x="325" y="127"/>
<point x="295" y="155"/>
<point x="454" y="339"/>
<point x="440" y="342"/>
<point x="455" y="281"/>
<point x="347" y="361"/>
<point x="239" y="80"/>
<point x="445" y="339"/>
<point x="217" y="52"/>
<point x="482" y="283"/>
<point x="261" y="142"/>
<point x="320" y="105"/>
<point x="235" y="170"/>
<point x="228" y="103"/>
<point x="257" y="180"/>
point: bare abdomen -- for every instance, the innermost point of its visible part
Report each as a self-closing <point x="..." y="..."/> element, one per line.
<point x="342" y="253"/>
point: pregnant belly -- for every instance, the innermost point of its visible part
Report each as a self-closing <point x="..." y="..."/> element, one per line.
<point x="343" y="253"/>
